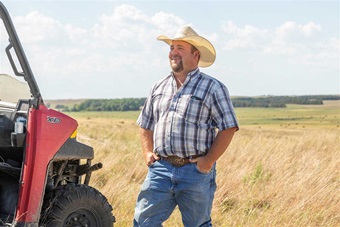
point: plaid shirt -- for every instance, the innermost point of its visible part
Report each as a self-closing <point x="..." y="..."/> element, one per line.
<point x="185" y="120"/>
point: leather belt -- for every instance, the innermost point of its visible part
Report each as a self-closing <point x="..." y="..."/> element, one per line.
<point x="178" y="161"/>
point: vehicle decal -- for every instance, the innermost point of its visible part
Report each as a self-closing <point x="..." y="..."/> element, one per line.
<point x="53" y="120"/>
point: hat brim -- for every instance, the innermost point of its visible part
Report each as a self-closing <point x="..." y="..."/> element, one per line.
<point x="206" y="49"/>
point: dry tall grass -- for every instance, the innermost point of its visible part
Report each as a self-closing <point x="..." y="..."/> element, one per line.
<point x="268" y="176"/>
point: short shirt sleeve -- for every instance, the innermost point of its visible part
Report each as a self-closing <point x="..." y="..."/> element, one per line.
<point x="222" y="109"/>
<point x="146" y="119"/>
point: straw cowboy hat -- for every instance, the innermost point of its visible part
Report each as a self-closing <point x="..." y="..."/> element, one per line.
<point x="187" y="34"/>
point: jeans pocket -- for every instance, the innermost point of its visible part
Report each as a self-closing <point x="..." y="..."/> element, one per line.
<point x="152" y="164"/>
<point x="200" y="171"/>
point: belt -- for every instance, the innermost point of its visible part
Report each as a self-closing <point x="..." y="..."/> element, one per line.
<point x="178" y="161"/>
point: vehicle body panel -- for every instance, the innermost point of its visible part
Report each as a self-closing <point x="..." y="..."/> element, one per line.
<point x="46" y="132"/>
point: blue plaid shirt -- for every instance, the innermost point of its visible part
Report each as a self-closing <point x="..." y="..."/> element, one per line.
<point x="185" y="120"/>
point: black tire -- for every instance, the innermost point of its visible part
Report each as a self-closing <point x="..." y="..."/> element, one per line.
<point x="76" y="205"/>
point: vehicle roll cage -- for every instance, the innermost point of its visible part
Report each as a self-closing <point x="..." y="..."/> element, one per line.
<point x="14" y="43"/>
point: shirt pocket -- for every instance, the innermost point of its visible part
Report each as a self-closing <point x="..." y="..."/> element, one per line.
<point x="193" y="109"/>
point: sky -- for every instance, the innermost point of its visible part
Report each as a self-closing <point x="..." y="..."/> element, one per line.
<point x="108" y="49"/>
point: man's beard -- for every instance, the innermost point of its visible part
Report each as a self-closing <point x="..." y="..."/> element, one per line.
<point x="176" y="67"/>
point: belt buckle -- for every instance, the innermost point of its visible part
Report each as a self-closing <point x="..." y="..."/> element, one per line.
<point x="177" y="161"/>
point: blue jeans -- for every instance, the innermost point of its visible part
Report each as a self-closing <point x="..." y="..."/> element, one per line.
<point x="166" y="186"/>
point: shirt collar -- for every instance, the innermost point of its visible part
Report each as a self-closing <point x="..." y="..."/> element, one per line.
<point x="190" y="74"/>
<point x="193" y="72"/>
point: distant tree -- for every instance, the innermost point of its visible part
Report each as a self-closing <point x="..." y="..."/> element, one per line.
<point x="59" y="107"/>
<point x="133" y="104"/>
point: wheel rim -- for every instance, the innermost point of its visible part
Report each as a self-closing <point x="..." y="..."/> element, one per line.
<point x="81" y="218"/>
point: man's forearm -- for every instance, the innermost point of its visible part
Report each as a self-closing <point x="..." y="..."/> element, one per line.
<point x="146" y="137"/>
<point x="147" y="146"/>
<point x="220" y="144"/>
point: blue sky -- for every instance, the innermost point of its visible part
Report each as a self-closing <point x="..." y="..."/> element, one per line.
<point x="108" y="49"/>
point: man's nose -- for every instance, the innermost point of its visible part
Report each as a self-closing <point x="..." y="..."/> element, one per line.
<point x="173" y="51"/>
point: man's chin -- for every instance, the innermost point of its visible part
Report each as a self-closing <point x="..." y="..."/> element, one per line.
<point x="176" y="68"/>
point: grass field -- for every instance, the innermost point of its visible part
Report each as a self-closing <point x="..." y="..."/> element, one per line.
<point x="281" y="169"/>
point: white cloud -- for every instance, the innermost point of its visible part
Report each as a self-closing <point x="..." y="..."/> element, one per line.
<point x="325" y="55"/>
<point x="76" y="34"/>
<point x="299" y="44"/>
<point x="36" y="27"/>
<point x="292" y="38"/>
<point x="167" y="22"/>
<point x="129" y="13"/>
<point x="286" y="39"/>
<point x="291" y="30"/>
<point x="303" y="45"/>
<point x="246" y="37"/>
<point x="126" y="28"/>
<point x="332" y="43"/>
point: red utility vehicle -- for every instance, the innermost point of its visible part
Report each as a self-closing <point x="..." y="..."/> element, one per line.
<point x="44" y="171"/>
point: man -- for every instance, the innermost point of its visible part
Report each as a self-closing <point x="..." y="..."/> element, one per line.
<point x="186" y="124"/>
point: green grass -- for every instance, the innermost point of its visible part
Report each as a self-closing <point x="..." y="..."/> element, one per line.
<point x="120" y="115"/>
<point x="293" y="116"/>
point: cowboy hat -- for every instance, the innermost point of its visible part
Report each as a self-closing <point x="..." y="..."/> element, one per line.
<point x="187" y="34"/>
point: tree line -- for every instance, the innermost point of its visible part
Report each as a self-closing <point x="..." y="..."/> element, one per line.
<point x="132" y="104"/>
<point x="281" y="101"/>
<point x="125" y="104"/>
